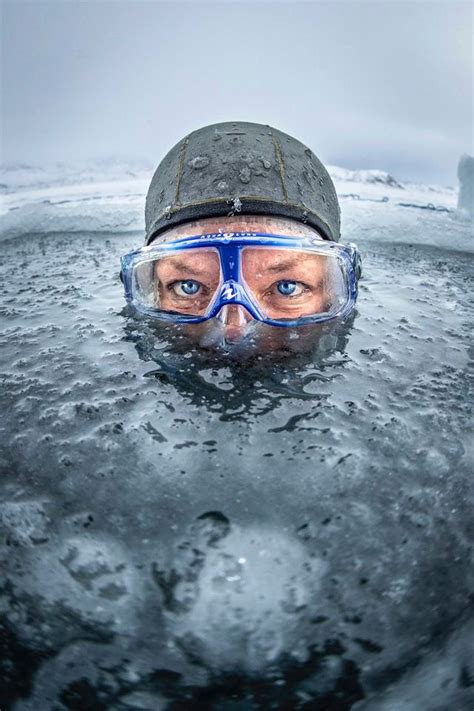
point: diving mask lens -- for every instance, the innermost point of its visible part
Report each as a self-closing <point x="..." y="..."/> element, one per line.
<point x="184" y="283"/>
<point x="292" y="284"/>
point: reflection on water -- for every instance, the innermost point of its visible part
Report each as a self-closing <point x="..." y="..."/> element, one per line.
<point x="192" y="528"/>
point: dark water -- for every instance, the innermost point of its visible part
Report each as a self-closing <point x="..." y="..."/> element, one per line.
<point x="183" y="530"/>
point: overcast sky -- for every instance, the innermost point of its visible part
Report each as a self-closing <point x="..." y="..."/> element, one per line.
<point x="383" y="84"/>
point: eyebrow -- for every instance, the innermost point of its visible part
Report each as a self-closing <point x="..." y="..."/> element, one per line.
<point x="282" y="266"/>
<point x="184" y="267"/>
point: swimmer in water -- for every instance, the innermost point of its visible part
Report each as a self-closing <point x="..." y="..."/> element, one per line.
<point x="242" y="228"/>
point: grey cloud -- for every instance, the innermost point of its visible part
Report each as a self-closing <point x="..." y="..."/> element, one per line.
<point x="366" y="84"/>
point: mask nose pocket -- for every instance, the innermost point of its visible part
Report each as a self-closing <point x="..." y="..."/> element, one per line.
<point x="234" y="315"/>
<point x="234" y="320"/>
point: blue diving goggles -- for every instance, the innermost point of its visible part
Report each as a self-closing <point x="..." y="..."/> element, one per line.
<point x="280" y="280"/>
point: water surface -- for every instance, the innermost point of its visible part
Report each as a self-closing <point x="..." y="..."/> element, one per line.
<point x="189" y="530"/>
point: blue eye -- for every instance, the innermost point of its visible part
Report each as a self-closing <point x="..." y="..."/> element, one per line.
<point x="188" y="287"/>
<point x="286" y="288"/>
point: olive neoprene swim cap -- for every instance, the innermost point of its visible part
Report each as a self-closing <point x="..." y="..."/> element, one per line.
<point x="240" y="167"/>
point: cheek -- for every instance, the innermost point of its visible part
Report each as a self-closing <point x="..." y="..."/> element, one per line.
<point x="314" y="305"/>
<point x="204" y="334"/>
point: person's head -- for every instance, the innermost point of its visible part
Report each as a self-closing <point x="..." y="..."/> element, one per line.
<point x="242" y="224"/>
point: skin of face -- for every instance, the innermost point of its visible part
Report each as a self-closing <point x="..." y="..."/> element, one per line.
<point x="267" y="271"/>
<point x="264" y="272"/>
<point x="173" y="274"/>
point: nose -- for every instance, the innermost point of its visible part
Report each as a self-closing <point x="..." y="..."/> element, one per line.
<point x="234" y="319"/>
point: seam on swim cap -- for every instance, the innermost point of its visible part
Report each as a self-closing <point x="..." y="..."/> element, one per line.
<point x="281" y="165"/>
<point x="182" y="153"/>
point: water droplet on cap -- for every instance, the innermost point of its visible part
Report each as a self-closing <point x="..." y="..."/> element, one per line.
<point x="244" y="175"/>
<point x="199" y="162"/>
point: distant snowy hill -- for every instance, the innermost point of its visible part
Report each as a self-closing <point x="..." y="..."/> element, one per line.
<point x="362" y="176"/>
<point x="109" y="196"/>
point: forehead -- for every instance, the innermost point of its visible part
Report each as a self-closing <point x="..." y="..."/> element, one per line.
<point x="201" y="261"/>
<point x="277" y="255"/>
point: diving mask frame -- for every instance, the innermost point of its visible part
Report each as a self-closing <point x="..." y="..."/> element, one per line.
<point x="233" y="289"/>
